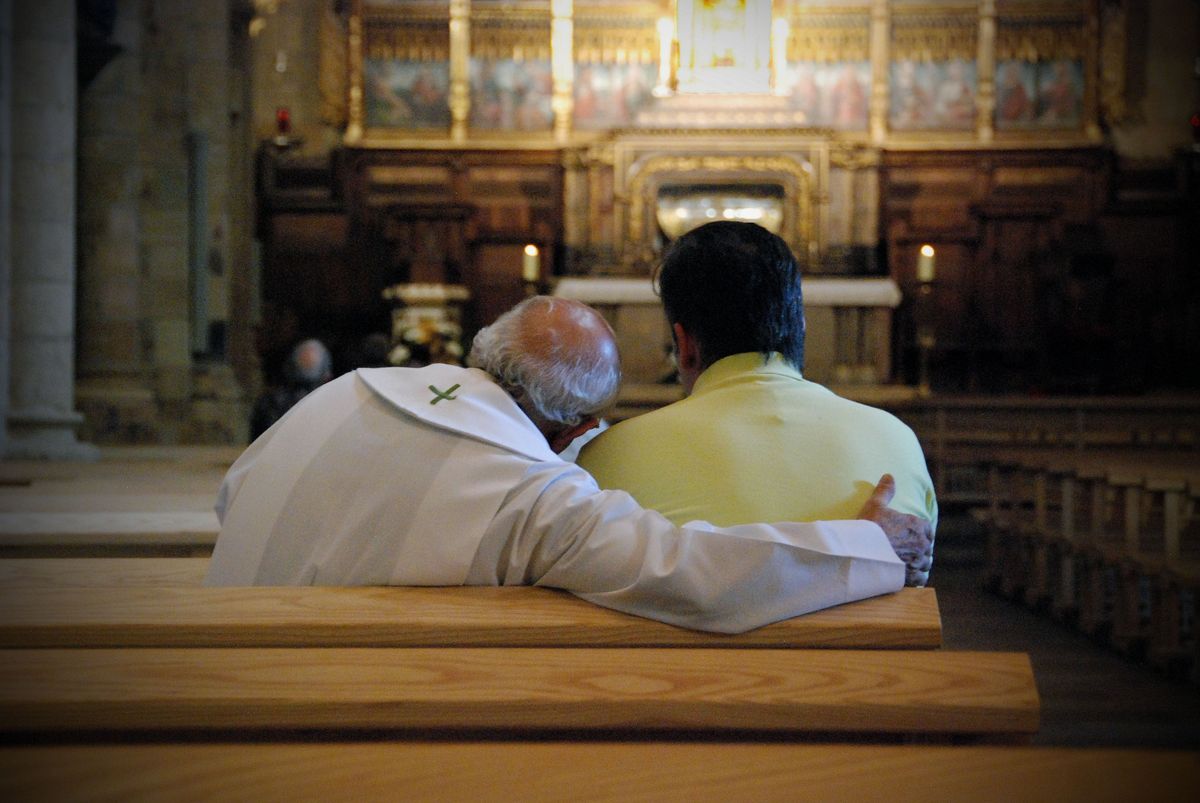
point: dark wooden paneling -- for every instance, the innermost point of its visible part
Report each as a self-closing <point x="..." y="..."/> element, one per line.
<point x="496" y="280"/>
<point x="1050" y="276"/>
<point x="459" y="216"/>
<point x="337" y="231"/>
<point x="1057" y="270"/>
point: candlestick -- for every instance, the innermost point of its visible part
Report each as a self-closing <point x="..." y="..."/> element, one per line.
<point x="283" y="126"/>
<point x="925" y="264"/>
<point x="926" y="321"/>
<point x="531" y="266"/>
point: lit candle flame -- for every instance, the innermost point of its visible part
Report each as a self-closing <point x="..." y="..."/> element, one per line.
<point x="925" y="264"/>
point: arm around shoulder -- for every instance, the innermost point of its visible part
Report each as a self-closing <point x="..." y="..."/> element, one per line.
<point x="603" y="547"/>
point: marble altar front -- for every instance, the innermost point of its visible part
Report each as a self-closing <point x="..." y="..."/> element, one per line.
<point x="848" y="342"/>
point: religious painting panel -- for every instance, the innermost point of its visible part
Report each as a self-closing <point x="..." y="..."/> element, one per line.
<point x="618" y="50"/>
<point x="932" y="78"/>
<point x="831" y="95"/>
<point x="406" y="94"/>
<point x="510" y="79"/>
<point x="405" y="66"/>
<point x="609" y="95"/>
<point x="1046" y="94"/>
<point x="828" y="66"/>
<point x="724" y="45"/>
<point x="511" y="95"/>
<point x="1040" y="69"/>
<point x="932" y="95"/>
<point x="1016" y="93"/>
<point x="1060" y="93"/>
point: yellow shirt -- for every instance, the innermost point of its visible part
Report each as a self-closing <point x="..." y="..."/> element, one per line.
<point x="758" y="442"/>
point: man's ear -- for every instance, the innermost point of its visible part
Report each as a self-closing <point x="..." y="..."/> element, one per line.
<point x="562" y="439"/>
<point x="687" y="350"/>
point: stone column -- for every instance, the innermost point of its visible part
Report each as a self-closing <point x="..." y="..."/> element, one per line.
<point x="41" y="415"/>
<point x="5" y="207"/>
<point x="113" y="386"/>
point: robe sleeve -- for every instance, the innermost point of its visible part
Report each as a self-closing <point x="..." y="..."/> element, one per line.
<point x="562" y="531"/>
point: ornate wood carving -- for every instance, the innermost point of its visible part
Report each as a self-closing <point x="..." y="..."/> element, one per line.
<point x="1113" y="61"/>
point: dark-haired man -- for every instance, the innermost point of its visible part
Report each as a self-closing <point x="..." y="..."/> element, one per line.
<point x="753" y="440"/>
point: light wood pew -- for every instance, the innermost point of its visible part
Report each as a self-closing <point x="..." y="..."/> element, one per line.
<point x="1099" y="528"/>
<point x="1110" y="544"/>
<point x="407" y="617"/>
<point x="102" y="572"/>
<point x="107" y="533"/>
<point x="498" y="691"/>
<point x="1173" y="645"/>
<point x="532" y="772"/>
<point x="1003" y="563"/>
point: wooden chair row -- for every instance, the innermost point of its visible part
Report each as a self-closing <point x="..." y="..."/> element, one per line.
<point x="1111" y="543"/>
<point x="554" y="771"/>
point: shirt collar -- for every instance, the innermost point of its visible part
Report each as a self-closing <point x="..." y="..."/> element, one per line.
<point x="466" y="401"/>
<point x="749" y="363"/>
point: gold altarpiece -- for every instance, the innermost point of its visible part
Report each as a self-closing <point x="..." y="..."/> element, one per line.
<point x="617" y="107"/>
<point x="732" y="85"/>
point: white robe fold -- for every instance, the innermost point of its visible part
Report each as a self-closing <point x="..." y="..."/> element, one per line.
<point x="434" y="476"/>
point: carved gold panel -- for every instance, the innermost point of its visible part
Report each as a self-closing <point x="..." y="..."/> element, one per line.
<point x="792" y="172"/>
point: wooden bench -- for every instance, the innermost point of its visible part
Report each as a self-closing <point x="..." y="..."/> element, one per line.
<point x="504" y="691"/>
<point x="133" y="616"/>
<point x="539" y="771"/>
<point x="102" y="572"/>
<point x="107" y="533"/>
<point x="1113" y="543"/>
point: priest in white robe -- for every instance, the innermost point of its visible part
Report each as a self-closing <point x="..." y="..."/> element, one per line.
<point x="450" y="476"/>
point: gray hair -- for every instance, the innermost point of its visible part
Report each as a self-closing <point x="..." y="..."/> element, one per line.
<point x="549" y="363"/>
<point x="309" y="364"/>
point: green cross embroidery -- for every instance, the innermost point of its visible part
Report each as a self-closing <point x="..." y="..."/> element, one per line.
<point x="438" y="395"/>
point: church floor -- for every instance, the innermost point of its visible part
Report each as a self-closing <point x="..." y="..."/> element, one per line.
<point x="1091" y="696"/>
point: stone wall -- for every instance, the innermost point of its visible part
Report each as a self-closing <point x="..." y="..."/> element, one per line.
<point x="6" y="65"/>
<point x="165" y="229"/>
<point x="40" y="196"/>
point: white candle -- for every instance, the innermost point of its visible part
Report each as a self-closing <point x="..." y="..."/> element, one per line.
<point x="531" y="267"/>
<point x="925" y="264"/>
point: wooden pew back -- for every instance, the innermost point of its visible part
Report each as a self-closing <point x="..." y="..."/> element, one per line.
<point x="553" y="771"/>
<point x="509" y="691"/>
<point x="102" y="572"/>
<point x="133" y="616"/>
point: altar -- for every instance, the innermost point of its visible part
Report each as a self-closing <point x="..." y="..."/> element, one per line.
<point x="847" y="344"/>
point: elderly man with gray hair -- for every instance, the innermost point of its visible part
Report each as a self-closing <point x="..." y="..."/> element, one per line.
<point x="308" y="366"/>
<point x="450" y="476"/>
